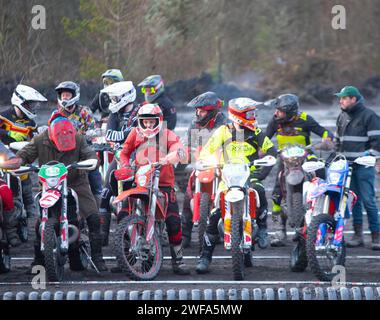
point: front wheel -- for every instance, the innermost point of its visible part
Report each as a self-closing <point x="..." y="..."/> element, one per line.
<point x="54" y="259"/>
<point x="141" y="260"/>
<point x="204" y="212"/>
<point x="236" y="240"/>
<point x="324" y="256"/>
<point x="295" y="208"/>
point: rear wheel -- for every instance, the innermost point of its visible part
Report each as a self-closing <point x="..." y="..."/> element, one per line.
<point x="141" y="260"/>
<point x="204" y="212"/>
<point x="323" y="257"/>
<point x="54" y="259"/>
<point x="236" y="240"/>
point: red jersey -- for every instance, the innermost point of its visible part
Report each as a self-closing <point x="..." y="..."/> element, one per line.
<point x="152" y="150"/>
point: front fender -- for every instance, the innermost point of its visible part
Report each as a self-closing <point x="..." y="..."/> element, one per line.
<point x="49" y="198"/>
<point x="294" y="177"/>
<point x="234" y="195"/>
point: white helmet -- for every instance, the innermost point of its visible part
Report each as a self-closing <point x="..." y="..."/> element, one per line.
<point x="121" y="94"/>
<point x="27" y="99"/>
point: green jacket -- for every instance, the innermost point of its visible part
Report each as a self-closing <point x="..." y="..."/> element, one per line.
<point x="43" y="149"/>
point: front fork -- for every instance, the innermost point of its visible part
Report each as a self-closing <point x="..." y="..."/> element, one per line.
<point x="63" y="223"/>
<point x="196" y="200"/>
<point x="339" y="227"/>
<point x="152" y="206"/>
<point x="247" y="226"/>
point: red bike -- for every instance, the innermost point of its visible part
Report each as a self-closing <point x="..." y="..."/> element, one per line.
<point x="141" y="221"/>
<point x="207" y="178"/>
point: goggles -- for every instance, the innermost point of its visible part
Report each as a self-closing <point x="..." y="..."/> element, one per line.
<point x="151" y="90"/>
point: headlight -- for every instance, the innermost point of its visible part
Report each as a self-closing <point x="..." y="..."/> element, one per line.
<point x="141" y="180"/>
<point x="236" y="174"/>
<point x="52" y="182"/>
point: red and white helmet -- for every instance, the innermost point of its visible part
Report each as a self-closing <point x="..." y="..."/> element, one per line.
<point x="150" y="111"/>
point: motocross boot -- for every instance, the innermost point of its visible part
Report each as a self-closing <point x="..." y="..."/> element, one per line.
<point x="179" y="267"/>
<point x="248" y="259"/>
<point x="375" y="245"/>
<point x="208" y="246"/>
<point x="262" y="234"/>
<point x="357" y="239"/>
<point x="96" y="251"/>
<point x="10" y="227"/>
<point x="279" y="221"/>
<point x="187" y="223"/>
<point x="105" y="223"/>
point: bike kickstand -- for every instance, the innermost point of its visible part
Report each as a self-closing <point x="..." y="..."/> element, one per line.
<point x="90" y="259"/>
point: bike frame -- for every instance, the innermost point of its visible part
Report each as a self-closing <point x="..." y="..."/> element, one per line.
<point x="149" y="194"/>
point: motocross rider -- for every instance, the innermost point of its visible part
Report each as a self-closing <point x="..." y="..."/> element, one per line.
<point x="122" y="119"/>
<point x="239" y="140"/>
<point x="68" y="95"/>
<point x="17" y="124"/>
<point x="153" y="143"/>
<point x="208" y="118"/>
<point x="153" y="88"/>
<point x="290" y="127"/>
<point x="62" y="143"/>
<point x="101" y="101"/>
<point x="9" y="215"/>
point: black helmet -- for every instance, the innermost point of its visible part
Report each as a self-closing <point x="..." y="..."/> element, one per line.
<point x="209" y="102"/>
<point x="152" y="87"/>
<point x="288" y="103"/>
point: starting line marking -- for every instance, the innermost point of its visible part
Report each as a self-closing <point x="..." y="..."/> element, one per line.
<point x="224" y="257"/>
<point x="208" y="282"/>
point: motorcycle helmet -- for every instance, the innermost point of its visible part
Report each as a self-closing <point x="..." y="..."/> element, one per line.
<point x="121" y="94"/>
<point x="152" y="87"/>
<point x="209" y="102"/>
<point x="27" y="100"/>
<point x="150" y="111"/>
<point x="74" y="89"/>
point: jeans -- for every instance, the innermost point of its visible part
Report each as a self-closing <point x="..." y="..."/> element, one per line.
<point x="95" y="180"/>
<point x="363" y="184"/>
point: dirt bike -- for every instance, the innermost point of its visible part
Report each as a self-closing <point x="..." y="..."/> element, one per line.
<point x="207" y="178"/>
<point x="329" y="203"/>
<point x="62" y="231"/>
<point x="238" y="204"/>
<point x="291" y="183"/>
<point x="5" y="257"/>
<point x="103" y="149"/>
<point x="141" y="222"/>
<point x="14" y="183"/>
